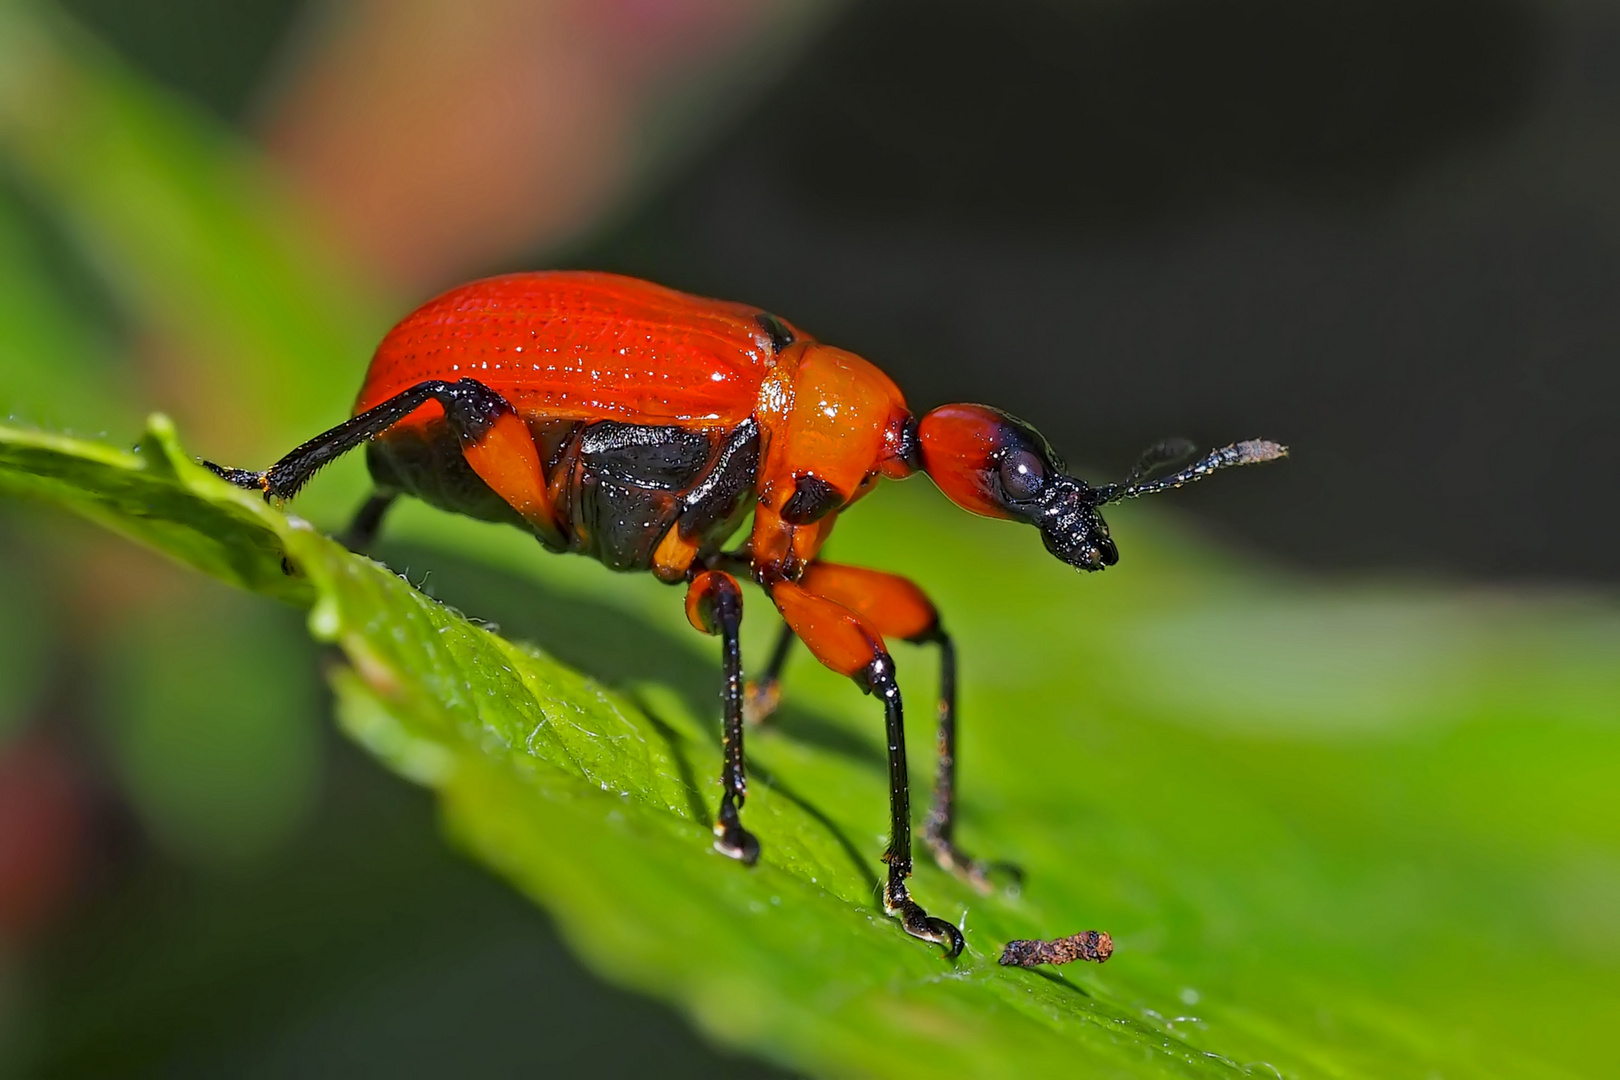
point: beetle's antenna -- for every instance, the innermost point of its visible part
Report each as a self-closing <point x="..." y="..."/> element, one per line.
<point x="1248" y="452"/>
<point x="1164" y="452"/>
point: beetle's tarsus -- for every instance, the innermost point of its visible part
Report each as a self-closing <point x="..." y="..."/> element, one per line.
<point x="242" y="478"/>
<point x="735" y="842"/>
<point x="918" y="923"/>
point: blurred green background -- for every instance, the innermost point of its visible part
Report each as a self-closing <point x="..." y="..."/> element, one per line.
<point x="1385" y="233"/>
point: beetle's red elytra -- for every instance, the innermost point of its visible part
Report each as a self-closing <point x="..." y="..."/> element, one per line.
<point x="642" y="427"/>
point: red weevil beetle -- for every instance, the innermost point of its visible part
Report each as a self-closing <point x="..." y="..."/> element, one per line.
<point x="639" y="425"/>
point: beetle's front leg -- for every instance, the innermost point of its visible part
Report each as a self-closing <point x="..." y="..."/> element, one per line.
<point x="714" y="606"/>
<point x="901" y="610"/>
<point x="850" y="645"/>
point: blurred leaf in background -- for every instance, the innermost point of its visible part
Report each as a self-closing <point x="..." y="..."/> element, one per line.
<point x="240" y="316"/>
<point x="213" y="725"/>
<point x="59" y="371"/>
<point x="27" y="639"/>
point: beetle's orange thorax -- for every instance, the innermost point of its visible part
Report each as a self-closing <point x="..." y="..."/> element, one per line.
<point x="831" y="423"/>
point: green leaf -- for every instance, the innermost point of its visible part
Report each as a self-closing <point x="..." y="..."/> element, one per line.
<point x="1359" y="833"/>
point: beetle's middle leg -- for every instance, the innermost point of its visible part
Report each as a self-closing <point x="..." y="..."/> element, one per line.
<point x="900" y="610"/>
<point x="714" y="606"/>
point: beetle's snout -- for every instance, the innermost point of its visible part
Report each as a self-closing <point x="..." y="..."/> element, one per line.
<point x="1072" y="529"/>
<point x="997" y="465"/>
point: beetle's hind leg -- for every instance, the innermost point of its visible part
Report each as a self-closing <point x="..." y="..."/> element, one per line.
<point x="283" y="479"/>
<point x="714" y="606"/>
<point x="494" y="440"/>
<point x="472" y="409"/>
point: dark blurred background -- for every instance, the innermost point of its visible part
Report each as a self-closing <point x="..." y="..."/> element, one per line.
<point x="1387" y="233"/>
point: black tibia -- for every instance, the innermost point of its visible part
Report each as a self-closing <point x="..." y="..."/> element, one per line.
<point x="367" y="522"/>
<point x="470" y="407"/>
<point x="879" y="680"/>
<point x="730" y="838"/>
<point x="761" y="698"/>
<point x="940" y="824"/>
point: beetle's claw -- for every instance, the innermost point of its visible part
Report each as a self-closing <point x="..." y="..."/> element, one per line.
<point x="958" y="862"/>
<point x="760" y="700"/>
<point x="735" y="842"/>
<point x="919" y="924"/>
<point x="242" y="478"/>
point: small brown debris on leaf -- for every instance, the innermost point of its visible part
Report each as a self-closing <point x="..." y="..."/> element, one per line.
<point x="1086" y="945"/>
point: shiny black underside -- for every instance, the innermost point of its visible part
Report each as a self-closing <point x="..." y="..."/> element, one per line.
<point x="628" y="484"/>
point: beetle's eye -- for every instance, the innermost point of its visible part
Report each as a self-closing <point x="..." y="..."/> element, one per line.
<point x="1022" y="475"/>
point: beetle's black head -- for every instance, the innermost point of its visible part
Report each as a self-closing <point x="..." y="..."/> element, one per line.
<point x="1071" y="528"/>
<point x="999" y="466"/>
<point x="995" y="464"/>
